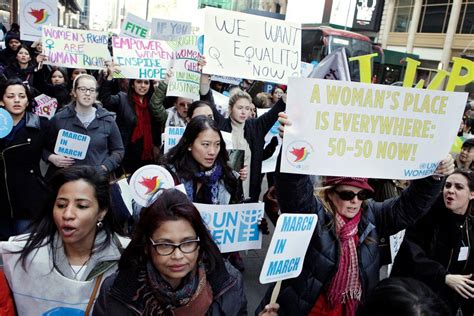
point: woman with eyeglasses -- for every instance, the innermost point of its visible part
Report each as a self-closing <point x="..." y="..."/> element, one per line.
<point x="342" y="265"/>
<point x="439" y="249"/>
<point x="86" y="116"/>
<point x="172" y="267"/>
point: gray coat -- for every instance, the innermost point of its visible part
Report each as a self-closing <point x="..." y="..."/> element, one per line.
<point x="105" y="148"/>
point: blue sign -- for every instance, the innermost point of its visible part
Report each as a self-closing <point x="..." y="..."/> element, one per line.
<point x="6" y="123"/>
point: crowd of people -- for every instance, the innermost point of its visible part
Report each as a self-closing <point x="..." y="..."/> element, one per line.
<point x="59" y="224"/>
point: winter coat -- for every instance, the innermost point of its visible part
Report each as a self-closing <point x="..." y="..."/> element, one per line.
<point x="295" y="195"/>
<point x="254" y="133"/>
<point x="117" y="291"/>
<point x="13" y="70"/>
<point x="431" y="249"/>
<point x="126" y="121"/>
<point x="105" y="147"/>
<point x="22" y="190"/>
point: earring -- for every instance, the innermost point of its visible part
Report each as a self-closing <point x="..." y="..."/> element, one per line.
<point x="100" y="224"/>
<point x="189" y="148"/>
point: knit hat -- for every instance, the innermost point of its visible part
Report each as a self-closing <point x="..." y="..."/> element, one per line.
<point x="11" y="35"/>
<point x="362" y="183"/>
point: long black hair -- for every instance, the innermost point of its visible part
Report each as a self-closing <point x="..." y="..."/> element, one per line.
<point x="131" y="91"/>
<point x="44" y="228"/>
<point x="171" y="205"/>
<point x="469" y="175"/>
<point x="186" y="166"/>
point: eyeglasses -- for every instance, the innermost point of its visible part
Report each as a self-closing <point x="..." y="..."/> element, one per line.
<point x="166" y="249"/>
<point x="84" y="90"/>
<point x="349" y="195"/>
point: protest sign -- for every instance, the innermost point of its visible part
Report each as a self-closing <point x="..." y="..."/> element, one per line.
<point x="306" y="69"/>
<point x="186" y="78"/>
<point x="365" y="130"/>
<point x="171" y="137"/>
<point x="226" y="79"/>
<point x="33" y="14"/>
<point x="252" y="47"/>
<point x="71" y="144"/>
<point x="168" y="30"/>
<point x="285" y="255"/>
<point x="46" y="106"/>
<point x="133" y="26"/>
<point x="6" y="123"/>
<point x="140" y="58"/>
<point x="233" y="227"/>
<point x="75" y="48"/>
<point x="269" y="164"/>
<point x="147" y="180"/>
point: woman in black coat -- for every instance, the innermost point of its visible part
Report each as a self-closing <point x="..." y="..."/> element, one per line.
<point x="439" y="249"/>
<point x="23" y="67"/>
<point x="22" y="190"/>
<point x="134" y="119"/>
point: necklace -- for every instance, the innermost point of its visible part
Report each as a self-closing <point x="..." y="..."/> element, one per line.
<point x="76" y="273"/>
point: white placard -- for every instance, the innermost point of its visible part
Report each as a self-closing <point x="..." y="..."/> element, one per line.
<point x="251" y="47"/>
<point x="171" y="137"/>
<point x="141" y="58"/>
<point x="233" y="227"/>
<point x="75" y="48"/>
<point x="71" y="144"/>
<point x="147" y="180"/>
<point x="186" y="78"/>
<point x="365" y="130"/>
<point x="34" y="14"/>
<point x="134" y="26"/>
<point x="285" y="255"/>
<point x="46" y="106"/>
<point x="168" y="30"/>
<point x="226" y="79"/>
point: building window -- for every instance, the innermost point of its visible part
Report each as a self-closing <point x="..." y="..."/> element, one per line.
<point x="434" y="16"/>
<point x="466" y="18"/>
<point x="403" y="13"/>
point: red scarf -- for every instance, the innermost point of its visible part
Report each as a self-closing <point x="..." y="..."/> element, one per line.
<point x="345" y="287"/>
<point x="143" y="126"/>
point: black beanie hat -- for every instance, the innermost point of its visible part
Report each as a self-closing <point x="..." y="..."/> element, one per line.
<point x="11" y="35"/>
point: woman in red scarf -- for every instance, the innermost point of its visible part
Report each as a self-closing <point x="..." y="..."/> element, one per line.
<point x="342" y="262"/>
<point x="133" y="118"/>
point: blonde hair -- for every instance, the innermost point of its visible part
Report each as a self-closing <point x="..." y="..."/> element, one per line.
<point x="237" y="95"/>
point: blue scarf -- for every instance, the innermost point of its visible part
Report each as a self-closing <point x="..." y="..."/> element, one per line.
<point x="210" y="184"/>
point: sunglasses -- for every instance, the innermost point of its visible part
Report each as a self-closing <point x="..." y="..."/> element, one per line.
<point x="349" y="195"/>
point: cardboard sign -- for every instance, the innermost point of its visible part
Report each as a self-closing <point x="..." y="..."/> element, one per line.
<point x="168" y="30"/>
<point x="46" y="106"/>
<point x="186" y="78"/>
<point x="75" y="48"/>
<point x="249" y="46"/>
<point x="34" y="15"/>
<point x="365" y="130"/>
<point x="226" y="79"/>
<point x="133" y="26"/>
<point x="6" y="123"/>
<point x="285" y="255"/>
<point x="172" y="135"/>
<point x="147" y="180"/>
<point x="71" y="144"/>
<point x="141" y="58"/>
<point x="233" y="227"/>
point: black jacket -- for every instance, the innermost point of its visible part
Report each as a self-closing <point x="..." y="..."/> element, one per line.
<point x="117" y="291"/>
<point x="13" y="70"/>
<point x="431" y="248"/>
<point x="254" y="133"/>
<point x="295" y="195"/>
<point x="22" y="190"/>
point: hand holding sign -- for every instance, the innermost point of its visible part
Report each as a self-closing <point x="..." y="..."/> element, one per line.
<point x="287" y="249"/>
<point x="60" y="161"/>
